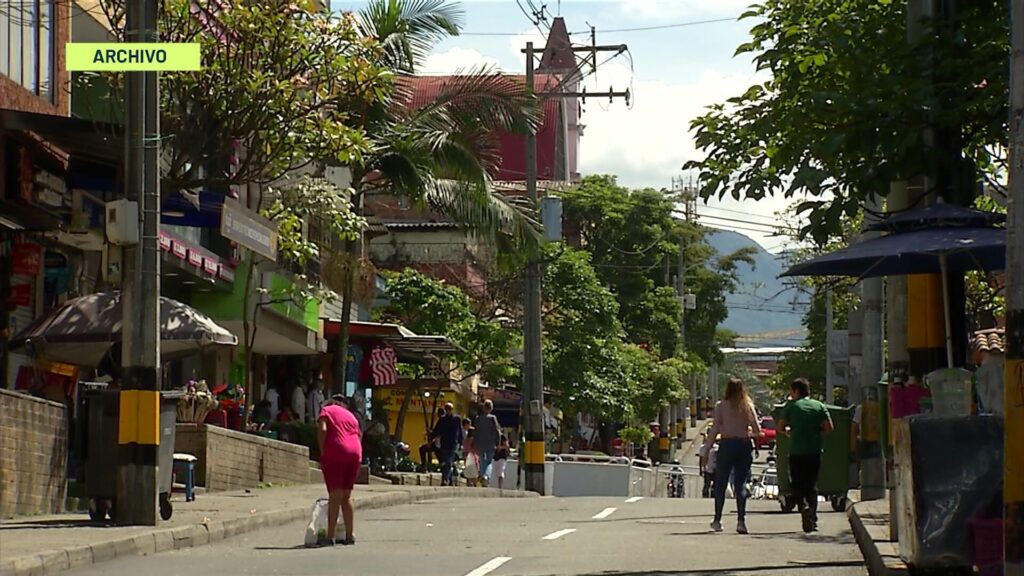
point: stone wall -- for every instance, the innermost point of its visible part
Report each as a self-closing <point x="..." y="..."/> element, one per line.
<point x="33" y="455"/>
<point x="230" y="460"/>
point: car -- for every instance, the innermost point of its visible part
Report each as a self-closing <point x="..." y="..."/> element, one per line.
<point x="767" y="440"/>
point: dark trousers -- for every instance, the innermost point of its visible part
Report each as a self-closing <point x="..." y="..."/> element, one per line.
<point x="734" y="458"/>
<point x="427" y="452"/>
<point x="447" y="458"/>
<point x="803" y="479"/>
<point x="708" y="483"/>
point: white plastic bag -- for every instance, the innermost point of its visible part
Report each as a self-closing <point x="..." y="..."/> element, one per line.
<point x="472" y="469"/>
<point x="317" y="527"/>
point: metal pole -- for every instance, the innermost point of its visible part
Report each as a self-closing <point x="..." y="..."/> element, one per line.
<point x="139" y="415"/>
<point x="829" y="380"/>
<point x="533" y="374"/>
<point x="1013" y="480"/>
<point x="872" y="467"/>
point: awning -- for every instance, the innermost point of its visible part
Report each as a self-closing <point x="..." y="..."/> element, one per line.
<point x="87" y="139"/>
<point x="408" y="346"/>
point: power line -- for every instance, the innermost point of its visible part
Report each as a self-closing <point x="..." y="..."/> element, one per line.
<point x="666" y="26"/>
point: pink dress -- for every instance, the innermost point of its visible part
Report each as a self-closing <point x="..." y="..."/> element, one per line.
<point x="343" y="448"/>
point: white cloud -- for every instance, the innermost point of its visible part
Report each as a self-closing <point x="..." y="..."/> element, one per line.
<point x="457" y="59"/>
<point x="659" y="10"/>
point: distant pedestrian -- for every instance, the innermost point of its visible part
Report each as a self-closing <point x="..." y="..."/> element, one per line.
<point x="275" y="401"/>
<point x="315" y="400"/>
<point x="500" y="458"/>
<point x="432" y="446"/>
<point x="487" y="434"/>
<point x="736" y="420"/>
<point x="708" y="459"/>
<point x="341" y="453"/>
<point x="299" y="403"/>
<point x="805" y="421"/>
<point x="449" y="436"/>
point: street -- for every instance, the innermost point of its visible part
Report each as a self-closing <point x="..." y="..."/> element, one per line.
<point x="545" y="536"/>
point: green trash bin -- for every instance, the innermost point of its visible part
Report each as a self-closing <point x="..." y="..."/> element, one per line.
<point x="834" y="478"/>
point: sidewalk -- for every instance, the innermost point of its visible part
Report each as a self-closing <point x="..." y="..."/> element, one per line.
<point x="693" y="440"/>
<point x="870" y="523"/>
<point x="49" y="544"/>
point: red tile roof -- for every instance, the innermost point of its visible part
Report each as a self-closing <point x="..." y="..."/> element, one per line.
<point x="513" y="147"/>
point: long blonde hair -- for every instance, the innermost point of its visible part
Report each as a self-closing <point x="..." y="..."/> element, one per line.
<point x="736" y="395"/>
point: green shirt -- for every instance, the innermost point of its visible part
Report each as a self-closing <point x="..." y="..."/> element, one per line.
<point x="805" y="417"/>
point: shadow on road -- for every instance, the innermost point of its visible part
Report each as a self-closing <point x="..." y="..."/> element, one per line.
<point x="57" y="523"/>
<point x="786" y="568"/>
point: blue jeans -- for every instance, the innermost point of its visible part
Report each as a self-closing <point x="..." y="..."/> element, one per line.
<point x="447" y="467"/>
<point x="486" y="459"/>
<point x="734" y="458"/>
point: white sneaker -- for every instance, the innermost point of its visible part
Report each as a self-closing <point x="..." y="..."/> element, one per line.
<point x="741" y="527"/>
<point x="716" y="526"/>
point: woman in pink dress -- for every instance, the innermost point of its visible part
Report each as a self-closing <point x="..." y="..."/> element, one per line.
<point x="341" y="453"/>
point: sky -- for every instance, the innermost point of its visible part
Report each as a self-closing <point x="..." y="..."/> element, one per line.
<point x="680" y="60"/>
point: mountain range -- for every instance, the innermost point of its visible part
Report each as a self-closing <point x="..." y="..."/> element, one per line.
<point x="765" y="310"/>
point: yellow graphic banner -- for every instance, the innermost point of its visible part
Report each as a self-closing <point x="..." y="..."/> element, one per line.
<point x="132" y="57"/>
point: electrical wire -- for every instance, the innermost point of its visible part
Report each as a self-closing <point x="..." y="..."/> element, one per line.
<point x="665" y="26"/>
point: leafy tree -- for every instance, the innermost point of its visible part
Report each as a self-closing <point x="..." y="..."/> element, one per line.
<point x="440" y="155"/>
<point x="429" y="306"/>
<point x="265" y="67"/>
<point x="633" y="238"/>
<point x="845" y="109"/>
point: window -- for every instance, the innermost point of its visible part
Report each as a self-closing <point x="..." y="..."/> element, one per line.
<point x="26" y="44"/>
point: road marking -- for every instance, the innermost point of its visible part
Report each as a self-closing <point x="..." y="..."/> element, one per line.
<point x="559" y="534"/>
<point x="634" y="499"/>
<point x="604" y="514"/>
<point x="490" y="566"/>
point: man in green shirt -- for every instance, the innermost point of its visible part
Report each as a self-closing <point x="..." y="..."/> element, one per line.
<point x="805" y="420"/>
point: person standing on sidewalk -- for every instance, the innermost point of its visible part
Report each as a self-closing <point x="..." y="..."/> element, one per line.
<point x="448" y="432"/>
<point x="736" y="421"/>
<point x="805" y="420"/>
<point x="341" y="454"/>
<point x="486" y="436"/>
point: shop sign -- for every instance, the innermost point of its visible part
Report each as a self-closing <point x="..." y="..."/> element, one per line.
<point x="21" y="295"/>
<point x="391" y="399"/>
<point x="210" y="266"/>
<point x="165" y="242"/>
<point x="226" y="273"/>
<point x="179" y="250"/>
<point x="26" y="259"/>
<point x="50" y="189"/>
<point x="26" y="169"/>
<point x="195" y="258"/>
<point x="249" y="229"/>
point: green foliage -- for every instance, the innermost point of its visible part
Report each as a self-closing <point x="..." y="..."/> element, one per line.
<point x="844" y="112"/>
<point x="633" y="238"/>
<point x="636" y="435"/>
<point x="281" y="82"/>
<point x="428" y="306"/>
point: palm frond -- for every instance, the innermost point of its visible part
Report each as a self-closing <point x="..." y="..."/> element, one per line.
<point x="486" y="212"/>
<point x="409" y="29"/>
<point x="484" y="97"/>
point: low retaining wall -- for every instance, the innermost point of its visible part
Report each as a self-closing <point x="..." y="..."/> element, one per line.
<point x="230" y="460"/>
<point x="33" y="455"/>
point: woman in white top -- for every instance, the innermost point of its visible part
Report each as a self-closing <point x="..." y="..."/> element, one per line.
<point x="736" y="422"/>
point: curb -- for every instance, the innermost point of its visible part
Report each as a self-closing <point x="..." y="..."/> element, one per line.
<point x="880" y="555"/>
<point x="190" y="536"/>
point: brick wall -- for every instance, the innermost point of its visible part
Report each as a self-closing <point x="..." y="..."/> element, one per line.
<point x="33" y="455"/>
<point x="230" y="460"/>
<point x="13" y="96"/>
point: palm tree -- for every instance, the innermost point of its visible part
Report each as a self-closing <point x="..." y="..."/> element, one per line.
<point x="440" y="155"/>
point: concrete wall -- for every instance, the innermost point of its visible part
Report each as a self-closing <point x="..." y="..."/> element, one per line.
<point x="33" y="455"/>
<point x="230" y="460"/>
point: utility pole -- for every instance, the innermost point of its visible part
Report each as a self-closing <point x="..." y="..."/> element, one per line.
<point x="533" y="369"/>
<point x="1013" y="455"/>
<point x="139" y="415"/>
<point x="829" y="378"/>
<point x="872" y="469"/>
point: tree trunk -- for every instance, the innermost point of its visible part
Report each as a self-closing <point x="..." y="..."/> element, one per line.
<point x="352" y="250"/>
<point x="414" y="386"/>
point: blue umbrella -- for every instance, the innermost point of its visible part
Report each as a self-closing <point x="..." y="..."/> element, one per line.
<point x="940" y="215"/>
<point x="920" y="251"/>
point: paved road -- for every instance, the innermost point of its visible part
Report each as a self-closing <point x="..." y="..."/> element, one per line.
<point x="531" y="537"/>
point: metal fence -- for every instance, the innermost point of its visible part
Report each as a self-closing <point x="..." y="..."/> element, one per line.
<point x="678" y="481"/>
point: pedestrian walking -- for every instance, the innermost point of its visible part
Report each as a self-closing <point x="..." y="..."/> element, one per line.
<point x="487" y="435"/>
<point x="341" y="453"/>
<point x="448" y="433"/>
<point x="315" y="400"/>
<point x="805" y="420"/>
<point x="431" y="446"/>
<point x="708" y="459"/>
<point x="736" y="421"/>
<point x="500" y="458"/>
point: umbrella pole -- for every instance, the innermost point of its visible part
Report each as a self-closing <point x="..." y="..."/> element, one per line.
<point x="945" y="309"/>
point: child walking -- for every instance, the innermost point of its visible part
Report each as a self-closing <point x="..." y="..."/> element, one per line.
<point x="500" y="457"/>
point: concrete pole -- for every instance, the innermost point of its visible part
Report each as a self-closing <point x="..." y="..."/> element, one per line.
<point x="829" y="380"/>
<point x="872" y="467"/>
<point x="533" y="373"/>
<point x="1013" y="480"/>
<point x="136" y="481"/>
